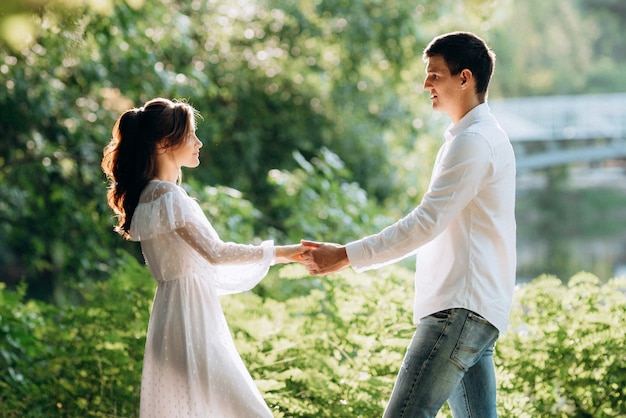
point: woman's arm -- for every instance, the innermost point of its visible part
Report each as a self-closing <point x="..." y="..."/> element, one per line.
<point x="289" y="253"/>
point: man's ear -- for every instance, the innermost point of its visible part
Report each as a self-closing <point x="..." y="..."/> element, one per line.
<point x="466" y="76"/>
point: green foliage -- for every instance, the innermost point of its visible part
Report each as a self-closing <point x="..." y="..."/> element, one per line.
<point x="331" y="352"/>
<point x="76" y="361"/>
<point x="317" y="347"/>
<point x="53" y="219"/>
<point x="580" y="54"/>
<point x="310" y="114"/>
<point x="269" y="81"/>
<point x="555" y="59"/>
<point x="21" y="348"/>
<point x="564" y="354"/>
<point x="234" y="217"/>
<point x="318" y="201"/>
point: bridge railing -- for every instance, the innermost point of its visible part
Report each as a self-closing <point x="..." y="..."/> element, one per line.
<point x="559" y="130"/>
<point x="555" y="118"/>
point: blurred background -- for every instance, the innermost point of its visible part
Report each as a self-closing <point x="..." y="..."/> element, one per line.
<point x="315" y="125"/>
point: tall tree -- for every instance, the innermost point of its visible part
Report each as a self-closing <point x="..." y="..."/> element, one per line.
<point x="270" y="79"/>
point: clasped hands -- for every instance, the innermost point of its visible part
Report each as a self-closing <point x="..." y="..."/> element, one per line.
<point x="318" y="257"/>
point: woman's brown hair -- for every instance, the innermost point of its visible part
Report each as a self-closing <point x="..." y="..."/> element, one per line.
<point x="129" y="159"/>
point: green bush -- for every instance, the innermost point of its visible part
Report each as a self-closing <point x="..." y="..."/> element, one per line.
<point x="333" y="351"/>
<point x="319" y="201"/>
<point x="76" y="361"/>
<point x="564" y="353"/>
<point x="317" y="346"/>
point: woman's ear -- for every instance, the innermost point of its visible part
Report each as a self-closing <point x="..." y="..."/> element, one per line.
<point x="161" y="147"/>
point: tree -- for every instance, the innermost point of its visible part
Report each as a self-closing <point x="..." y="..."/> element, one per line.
<point x="269" y="81"/>
<point x="580" y="52"/>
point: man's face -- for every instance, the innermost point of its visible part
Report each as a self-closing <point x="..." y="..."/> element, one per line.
<point x="443" y="87"/>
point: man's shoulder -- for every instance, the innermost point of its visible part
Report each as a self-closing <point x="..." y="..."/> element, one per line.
<point x="485" y="126"/>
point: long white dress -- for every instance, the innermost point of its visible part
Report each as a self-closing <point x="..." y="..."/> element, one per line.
<point x="191" y="366"/>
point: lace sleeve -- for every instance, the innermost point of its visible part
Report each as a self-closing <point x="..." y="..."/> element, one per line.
<point x="239" y="267"/>
<point x="206" y="242"/>
<point x="166" y="208"/>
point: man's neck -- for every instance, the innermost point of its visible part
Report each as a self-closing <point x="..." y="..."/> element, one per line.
<point x="464" y="107"/>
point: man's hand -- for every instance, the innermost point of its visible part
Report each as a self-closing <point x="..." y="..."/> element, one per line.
<point x="324" y="258"/>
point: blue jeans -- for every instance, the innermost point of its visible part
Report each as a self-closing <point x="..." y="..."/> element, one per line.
<point x="449" y="358"/>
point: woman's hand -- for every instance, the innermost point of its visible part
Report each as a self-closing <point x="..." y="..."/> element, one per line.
<point x="289" y="253"/>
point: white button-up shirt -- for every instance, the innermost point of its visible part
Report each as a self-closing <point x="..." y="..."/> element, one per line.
<point x="463" y="231"/>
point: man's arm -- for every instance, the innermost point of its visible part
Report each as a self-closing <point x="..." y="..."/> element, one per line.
<point x="324" y="258"/>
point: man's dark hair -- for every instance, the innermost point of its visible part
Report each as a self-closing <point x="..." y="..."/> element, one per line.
<point x="462" y="50"/>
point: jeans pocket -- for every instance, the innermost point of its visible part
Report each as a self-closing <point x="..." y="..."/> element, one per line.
<point x="477" y="336"/>
<point x="442" y="315"/>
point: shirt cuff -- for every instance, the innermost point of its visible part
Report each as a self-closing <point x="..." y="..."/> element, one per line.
<point x="356" y="256"/>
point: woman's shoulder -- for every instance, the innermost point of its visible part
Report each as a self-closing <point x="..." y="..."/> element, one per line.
<point x="163" y="207"/>
<point x="155" y="189"/>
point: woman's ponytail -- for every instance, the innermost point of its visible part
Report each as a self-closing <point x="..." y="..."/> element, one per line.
<point x="129" y="159"/>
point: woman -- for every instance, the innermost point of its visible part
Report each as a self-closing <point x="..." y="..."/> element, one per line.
<point x="191" y="366"/>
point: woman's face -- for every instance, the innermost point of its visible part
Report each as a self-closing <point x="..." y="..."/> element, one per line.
<point x="187" y="153"/>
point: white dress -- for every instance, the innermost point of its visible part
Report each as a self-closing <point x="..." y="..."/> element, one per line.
<point x="191" y="366"/>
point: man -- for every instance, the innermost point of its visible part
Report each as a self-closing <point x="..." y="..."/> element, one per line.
<point x="463" y="236"/>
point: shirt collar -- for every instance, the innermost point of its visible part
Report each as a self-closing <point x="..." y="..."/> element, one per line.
<point x="477" y="112"/>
